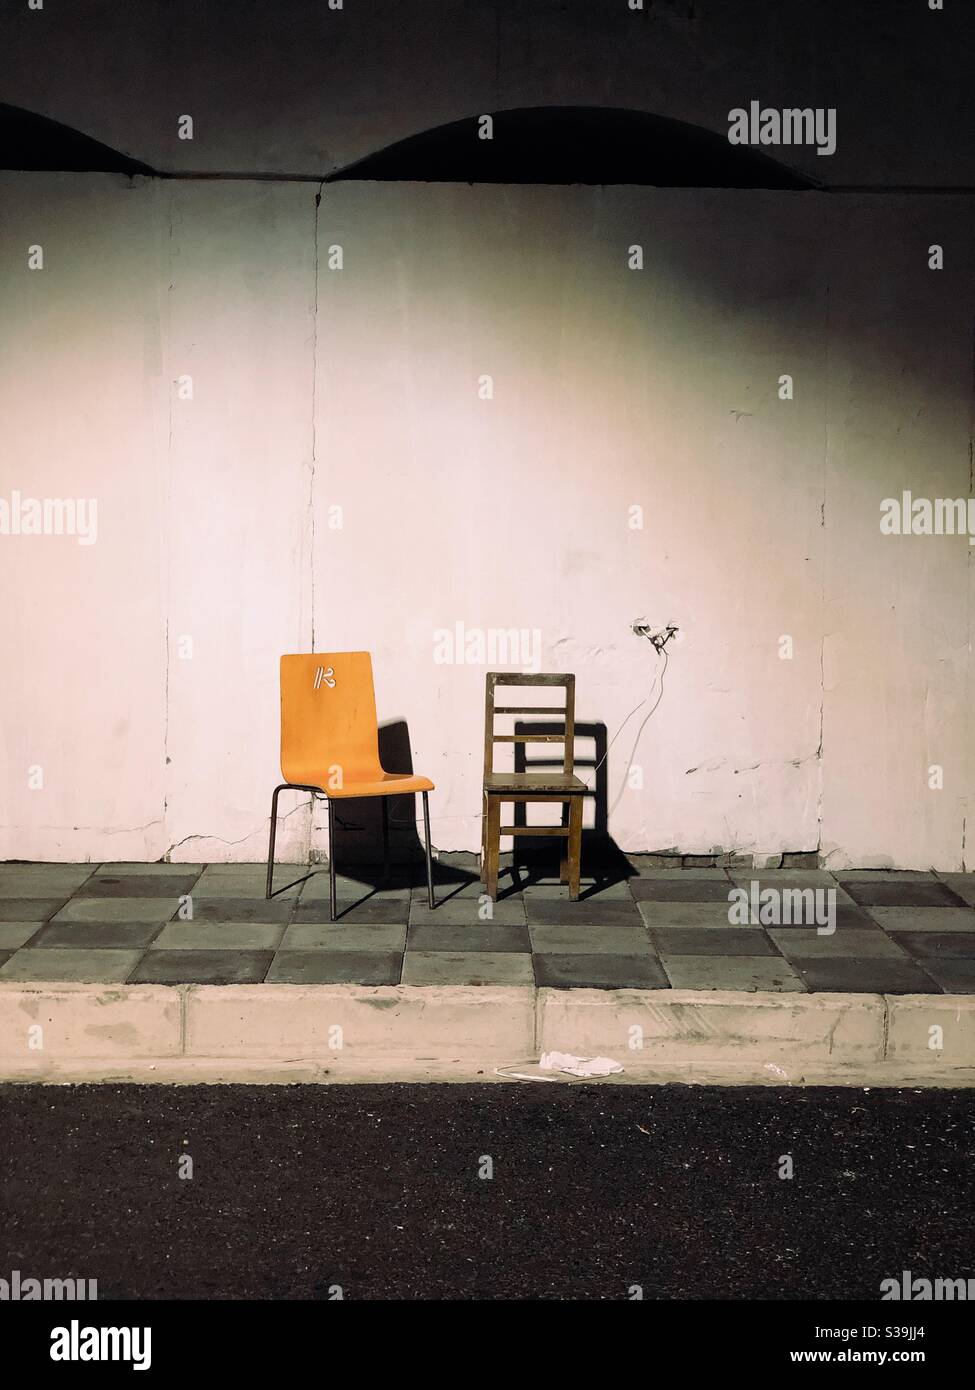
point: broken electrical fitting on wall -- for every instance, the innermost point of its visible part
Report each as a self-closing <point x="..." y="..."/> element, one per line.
<point x="659" y="636"/>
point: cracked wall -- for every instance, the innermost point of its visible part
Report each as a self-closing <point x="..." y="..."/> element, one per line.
<point x="357" y="389"/>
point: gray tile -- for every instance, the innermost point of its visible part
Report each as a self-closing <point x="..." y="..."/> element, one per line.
<point x="42" y="880"/>
<point x="746" y="973"/>
<point x="936" y="919"/>
<point x="810" y="913"/>
<point x="15" y="934"/>
<point x="465" y="912"/>
<point x="242" y="909"/>
<point x="705" y="941"/>
<point x="250" y="884"/>
<point x="351" y="888"/>
<point x="574" y="970"/>
<point x="645" y="870"/>
<point x="795" y="882"/>
<point x="219" y="936"/>
<point x="954" y="976"/>
<point x="882" y="875"/>
<point x="128" y="869"/>
<point x="202" y="968"/>
<point x="714" y="916"/>
<point x="590" y="890"/>
<point x="678" y="890"/>
<point x="230" y="867"/>
<point x="335" y="968"/>
<point x="29" y="909"/>
<point x="83" y="966"/>
<point x="865" y="975"/>
<point x="932" y="945"/>
<point x="849" y="917"/>
<point x="467" y="968"/>
<point x="554" y="912"/>
<point x="561" y="939"/>
<point x="96" y="936"/>
<point x="805" y="942"/>
<point x="345" y="935"/>
<point x="910" y="893"/>
<point x="963" y="885"/>
<point x="512" y="885"/>
<point x="158" y="910"/>
<point x="373" y="910"/>
<point x="450" y="890"/>
<point x="470" y="936"/>
<point x="785" y="878"/>
<point x="102" y="885"/>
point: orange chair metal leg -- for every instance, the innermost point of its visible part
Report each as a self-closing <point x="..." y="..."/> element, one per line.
<point x="331" y="860"/>
<point x="426" y="835"/>
<point x="270" y="847"/>
<point x="282" y="787"/>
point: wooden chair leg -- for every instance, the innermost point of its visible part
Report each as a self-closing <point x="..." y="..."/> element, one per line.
<point x="492" y="837"/>
<point x="575" y="846"/>
<point x="483" y="863"/>
<point x="564" y="843"/>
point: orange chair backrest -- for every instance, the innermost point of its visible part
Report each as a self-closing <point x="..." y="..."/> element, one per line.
<point x="328" y="718"/>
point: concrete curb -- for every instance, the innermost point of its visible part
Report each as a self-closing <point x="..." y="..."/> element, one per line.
<point x="205" y="1033"/>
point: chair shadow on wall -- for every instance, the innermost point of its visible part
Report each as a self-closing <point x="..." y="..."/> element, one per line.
<point x="602" y="859"/>
<point x="358" y="828"/>
<point x="536" y="859"/>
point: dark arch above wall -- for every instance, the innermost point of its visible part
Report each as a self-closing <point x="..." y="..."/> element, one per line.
<point x="546" y="144"/>
<point x="29" y="142"/>
<point x="576" y="144"/>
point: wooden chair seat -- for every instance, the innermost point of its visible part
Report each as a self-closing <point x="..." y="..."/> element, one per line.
<point x="537" y="782"/>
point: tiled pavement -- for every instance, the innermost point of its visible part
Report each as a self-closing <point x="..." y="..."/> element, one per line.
<point x="639" y="927"/>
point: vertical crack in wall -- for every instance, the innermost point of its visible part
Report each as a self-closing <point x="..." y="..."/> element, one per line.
<point x="314" y="408"/>
<point x="167" y="560"/>
<point x="822" y="581"/>
<point x="968" y="608"/>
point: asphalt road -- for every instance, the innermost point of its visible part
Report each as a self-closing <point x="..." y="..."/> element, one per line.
<point x="377" y="1190"/>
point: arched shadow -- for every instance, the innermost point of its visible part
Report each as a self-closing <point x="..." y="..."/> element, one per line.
<point x="576" y="144"/>
<point x="29" y="142"/>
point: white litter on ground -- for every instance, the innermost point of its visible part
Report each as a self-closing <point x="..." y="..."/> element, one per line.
<point x="578" y="1066"/>
<point x="552" y="1065"/>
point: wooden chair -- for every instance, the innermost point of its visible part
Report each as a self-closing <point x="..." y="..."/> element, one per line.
<point x="527" y="787"/>
<point x="330" y="747"/>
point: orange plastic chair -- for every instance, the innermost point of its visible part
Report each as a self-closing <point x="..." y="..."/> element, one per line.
<point x="330" y="746"/>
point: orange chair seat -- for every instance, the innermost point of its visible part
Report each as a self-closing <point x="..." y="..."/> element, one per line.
<point x="385" y="784"/>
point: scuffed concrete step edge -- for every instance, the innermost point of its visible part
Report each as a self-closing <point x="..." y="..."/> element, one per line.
<point x="334" y="1032"/>
<point x="337" y="1025"/>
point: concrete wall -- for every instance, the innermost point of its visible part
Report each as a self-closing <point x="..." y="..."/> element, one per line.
<point x="337" y="480"/>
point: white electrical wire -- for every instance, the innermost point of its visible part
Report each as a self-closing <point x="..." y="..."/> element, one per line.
<point x="659" y="676"/>
<point x="661" y="672"/>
